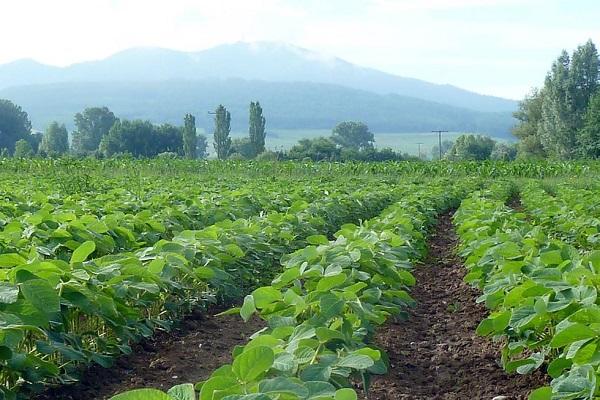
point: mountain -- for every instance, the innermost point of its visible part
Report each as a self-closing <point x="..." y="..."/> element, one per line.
<point x="287" y="105"/>
<point x="265" y="61"/>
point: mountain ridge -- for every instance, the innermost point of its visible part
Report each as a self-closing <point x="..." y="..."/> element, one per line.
<point x="287" y="105"/>
<point x="268" y="61"/>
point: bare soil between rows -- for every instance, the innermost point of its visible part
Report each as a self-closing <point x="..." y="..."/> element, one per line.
<point x="436" y="354"/>
<point x="190" y="353"/>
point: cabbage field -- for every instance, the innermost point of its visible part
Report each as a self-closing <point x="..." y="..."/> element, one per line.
<point x="97" y="256"/>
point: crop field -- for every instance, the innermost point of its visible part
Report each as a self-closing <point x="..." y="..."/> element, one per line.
<point x="181" y="280"/>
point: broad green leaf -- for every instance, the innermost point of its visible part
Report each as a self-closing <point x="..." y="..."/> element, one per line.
<point x="263" y="296"/>
<point x="367" y="351"/>
<point x="317" y="239"/>
<point x="326" y="334"/>
<point x="345" y="394"/>
<point x="284" y="362"/>
<point x="182" y="392"/>
<point x="543" y="393"/>
<point x="253" y="362"/>
<point x="219" y="383"/>
<point x="83" y="251"/>
<point x="356" y="361"/>
<point x="11" y="260"/>
<point x="43" y="296"/>
<point x="319" y="388"/>
<point x="572" y="334"/>
<point x="329" y="282"/>
<point x="552" y="257"/>
<point x="331" y="305"/>
<point x="247" y="308"/>
<point x="8" y="293"/>
<point x="557" y="366"/>
<point x="282" y="385"/>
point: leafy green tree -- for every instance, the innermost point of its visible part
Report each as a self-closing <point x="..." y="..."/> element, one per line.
<point x="201" y="146"/>
<point x="371" y="154"/>
<point x="190" y="139"/>
<point x="353" y="135"/>
<point x="529" y="126"/>
<point x="35" y="140"/>
<point x="256" y="128"/>
<point x="504" y="152"/>
<point x="243" y="147"/>
<point x="14" y="124"/>
<point x="584" y="74"/>
<point x="589" y="138"/>
<point x="23" y="149"/>
<point x="317" y="149"/>
<point x="222" y="141"/>
<point x="4" y="153"/>
<point x="142" y="139"/>
<point x="55" y="140"/>
<point x="168" y="138"/>
<point x="91" y="126"/>
<point x="435" y="150"/>
<point x="567" y="91"/>
<point x="557" y="131"/>
<point x="471" y="147"/>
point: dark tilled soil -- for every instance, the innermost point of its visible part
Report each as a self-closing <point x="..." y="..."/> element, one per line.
<point x="436" y="353"/>
<point x="188" y="354"/>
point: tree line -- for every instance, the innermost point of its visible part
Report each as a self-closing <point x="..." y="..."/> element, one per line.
<point x="98" y="132"/>
<point x="561" y="119"/>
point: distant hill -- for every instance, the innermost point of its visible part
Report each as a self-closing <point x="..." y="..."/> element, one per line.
<point x="266" y="61"/>
<point x="287" y="105"/>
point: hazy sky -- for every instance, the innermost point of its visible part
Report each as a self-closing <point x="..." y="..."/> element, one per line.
<point x="500" y="47"/>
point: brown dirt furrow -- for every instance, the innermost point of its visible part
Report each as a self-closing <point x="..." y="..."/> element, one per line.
<point x="436" y="354"/>
<point x="200" y="344"/>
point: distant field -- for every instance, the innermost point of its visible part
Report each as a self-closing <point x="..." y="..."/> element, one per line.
<point x="283" y="139"/>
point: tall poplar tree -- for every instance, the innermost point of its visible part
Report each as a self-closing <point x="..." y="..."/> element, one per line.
<point x="189" y="136"/>
<point x="256" y="128"/>
<point x="589" y="137"/>
<point x="567" y="91"/>
<point x="584" y="76"/>
<point x="222" y="141"/>
<point x="557" y="134"/>
<point x="55" y="140"/>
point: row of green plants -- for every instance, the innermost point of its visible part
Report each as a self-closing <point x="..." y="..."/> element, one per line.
<point x="52" y="224"/>
<point x="542" y="292"/>
<point x="323" y="308"/>
<point x="569" y="213"/>
<point x="59" y="315"/>
<point x="82" y="168"/>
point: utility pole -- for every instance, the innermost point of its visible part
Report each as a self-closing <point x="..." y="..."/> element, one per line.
<point x="419" y="149"/>
<point x="440" y="141"/>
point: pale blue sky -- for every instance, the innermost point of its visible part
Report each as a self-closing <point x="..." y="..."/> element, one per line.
<point x="499" y="47"/>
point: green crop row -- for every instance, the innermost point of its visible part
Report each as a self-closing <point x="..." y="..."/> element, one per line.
<point x="60" y="315"/>
<point x="570" y="214"/>
<point x="83" y="171"/>
<point x="322" y="309"/>
<point x="542" y="293"/>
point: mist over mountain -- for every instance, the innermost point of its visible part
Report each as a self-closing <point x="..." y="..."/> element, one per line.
<point x="287" y="105"/>
<point x="299" y="89"/>
<point x="267" y="61"/>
